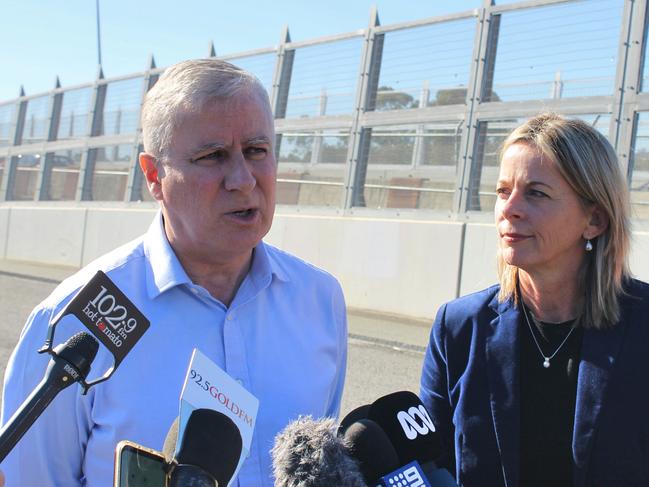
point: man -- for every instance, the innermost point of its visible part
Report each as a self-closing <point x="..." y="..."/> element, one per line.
<point x="204" y="278"/>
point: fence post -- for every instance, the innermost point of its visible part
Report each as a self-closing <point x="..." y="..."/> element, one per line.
<point x="366" y="92"/>
<point x="135" y="176"/>
<point x="94" y="127"/>
<point x="15" y="138"/>
<point x="628" y="82"/>
<point x="480" y="88"/>
<point x="281" y="82"/>
<point x="45" y="174"/>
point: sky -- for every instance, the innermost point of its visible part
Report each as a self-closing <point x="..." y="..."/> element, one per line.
<point x="43" y="39"/>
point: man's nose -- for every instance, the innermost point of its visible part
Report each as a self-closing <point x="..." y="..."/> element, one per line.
<point x="239" y="176"/>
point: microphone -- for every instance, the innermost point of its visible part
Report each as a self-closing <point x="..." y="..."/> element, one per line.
<point x="405" y="420"/>
<point x="209" y="450"/>
<point x="351" y="417"/>
<point x="309" y="453"/>
<point x="407" y="424"/>
<point x="372" y="449"/>
<point x="70" y="363"/>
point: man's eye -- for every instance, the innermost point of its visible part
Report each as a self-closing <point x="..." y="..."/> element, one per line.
<point x="502" y="191"/>
<point x="256" y="153"/>
<point x="210" y="159"/>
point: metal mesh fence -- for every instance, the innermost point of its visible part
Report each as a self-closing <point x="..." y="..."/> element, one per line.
<point x="75" y="110"/>
<point x="6" y="116"/>
<point x="324" y="79"/>
<point x="121" y="108"/>
<point x="407" y="116"/>
<point x="426" y="66"/>
<point x="558" y="51"/>
<point x="36" y="120"/>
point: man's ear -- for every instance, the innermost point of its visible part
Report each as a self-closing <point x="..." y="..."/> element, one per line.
<point x="153" y="171"/>
<point x="598" y="223"/>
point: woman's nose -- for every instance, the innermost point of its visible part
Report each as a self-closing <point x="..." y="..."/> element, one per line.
<point x="513" y="206"/>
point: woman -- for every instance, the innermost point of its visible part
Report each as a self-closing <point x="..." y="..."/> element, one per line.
<point x="544" y="378"/>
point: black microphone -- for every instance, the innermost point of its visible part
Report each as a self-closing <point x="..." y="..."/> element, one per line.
<point x="309" y="453"/>
<point x="407" y="423"/>
<point x="209" y="450"/>
<point x="70" y="363"/>
<point x="405" y="420"/>
<point x="351" y="417"/>
<point x="370" y="446"/>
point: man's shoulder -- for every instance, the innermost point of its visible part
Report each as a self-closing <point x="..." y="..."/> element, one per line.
<point x="295" y="268"/>
<point x="126" y="259"/>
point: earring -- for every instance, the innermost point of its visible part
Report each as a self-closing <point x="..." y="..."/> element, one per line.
<point x="589" y="245"/>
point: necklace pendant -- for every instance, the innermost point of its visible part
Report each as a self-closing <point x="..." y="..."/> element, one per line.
<point x="546" y="362"/>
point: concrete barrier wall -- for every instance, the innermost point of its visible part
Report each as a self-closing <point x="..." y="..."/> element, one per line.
<point x="108" y="228"/>
<point x="51" y="235"/>
<point x="4" y="230"/>
<point x="478" y="257"/>
<point x="390" y="266"/>
<point x="639" y="261"/>
<point x="393" y="266"/>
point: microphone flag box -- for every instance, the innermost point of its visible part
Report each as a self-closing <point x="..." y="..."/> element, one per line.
<point x="108" y="314"/>
<point x="410" y="475"/>
<point x="207" y="386"/>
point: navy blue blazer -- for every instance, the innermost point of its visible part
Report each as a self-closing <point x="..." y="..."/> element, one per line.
<point x="470" y="385"/>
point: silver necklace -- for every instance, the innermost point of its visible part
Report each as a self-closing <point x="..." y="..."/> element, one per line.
<point x="546" y="360"/>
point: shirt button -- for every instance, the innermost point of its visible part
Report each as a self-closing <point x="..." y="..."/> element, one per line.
<point x="240" y="381"/>
<point x="195" y="291"/>
<point x="230" y="317"/>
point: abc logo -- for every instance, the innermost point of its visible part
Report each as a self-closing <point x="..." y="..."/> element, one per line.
<point x="415" y="421"/>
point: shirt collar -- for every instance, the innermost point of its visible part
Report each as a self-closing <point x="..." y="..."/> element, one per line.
<point x="165" y="271"/>
<point x="264" y="265"/>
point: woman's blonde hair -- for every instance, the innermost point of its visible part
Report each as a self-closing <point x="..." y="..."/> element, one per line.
<point x="588" y="163"/>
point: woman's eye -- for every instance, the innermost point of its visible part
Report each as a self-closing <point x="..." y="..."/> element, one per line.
<point x="537" y="194"/>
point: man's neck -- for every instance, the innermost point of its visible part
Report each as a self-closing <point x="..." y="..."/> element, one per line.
<point x="221" y="279"/>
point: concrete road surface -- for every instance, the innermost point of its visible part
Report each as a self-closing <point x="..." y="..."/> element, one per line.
<point x="385" y="355"/>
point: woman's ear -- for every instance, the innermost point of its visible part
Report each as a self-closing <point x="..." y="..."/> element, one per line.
<point x="597" y="224"/>
<point x="152" y="173"/>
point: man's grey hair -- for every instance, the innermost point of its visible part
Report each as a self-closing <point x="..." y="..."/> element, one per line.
<point x="186" y="88"/>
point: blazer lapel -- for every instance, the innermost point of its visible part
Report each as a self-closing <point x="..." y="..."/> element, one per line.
<point x="599" y="351"/>
<point x="502" y="350"/>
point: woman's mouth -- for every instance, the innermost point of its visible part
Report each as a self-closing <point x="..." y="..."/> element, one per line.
<point x="512" y="238"/>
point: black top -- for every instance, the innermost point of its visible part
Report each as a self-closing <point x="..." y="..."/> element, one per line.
<point x="548" y="398"/>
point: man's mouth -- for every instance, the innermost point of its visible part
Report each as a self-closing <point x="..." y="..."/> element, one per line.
<point x="246" y="213"/>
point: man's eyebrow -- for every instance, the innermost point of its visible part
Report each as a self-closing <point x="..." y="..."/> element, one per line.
<point x="212" y="146"/>
<point x="261" y="139"/>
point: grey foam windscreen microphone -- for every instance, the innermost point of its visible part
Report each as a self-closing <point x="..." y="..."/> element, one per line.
<point x="309" y="453"/>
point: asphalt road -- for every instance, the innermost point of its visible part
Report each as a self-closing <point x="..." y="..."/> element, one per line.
<point x="385" y="355"/>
